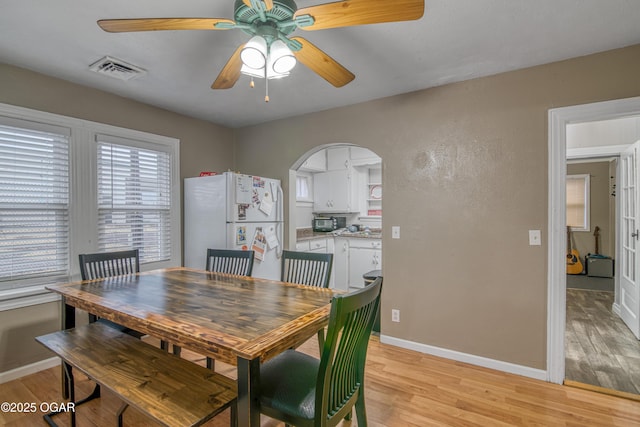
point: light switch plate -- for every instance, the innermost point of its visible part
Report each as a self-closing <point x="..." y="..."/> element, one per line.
<point x="395" y="232"/>
<point x="534" y="238"/>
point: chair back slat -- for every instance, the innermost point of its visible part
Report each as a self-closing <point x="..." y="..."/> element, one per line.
<point x="230" y="261"/>
<point x="109" y="264"/>
<point x="343" y="357"/>
<point x="306" y="268"/>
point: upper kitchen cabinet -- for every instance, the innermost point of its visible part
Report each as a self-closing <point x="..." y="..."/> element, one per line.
<point x="316" y="163"/>
<point x="335" y="192"/>
<point x="361" y="156"/>
<point x="338" y="158"/>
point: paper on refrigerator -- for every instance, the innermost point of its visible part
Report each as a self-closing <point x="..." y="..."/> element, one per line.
<point x="258" y="246"/>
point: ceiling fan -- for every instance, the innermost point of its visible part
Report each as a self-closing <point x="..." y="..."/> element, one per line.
<point x="271" y="53"/>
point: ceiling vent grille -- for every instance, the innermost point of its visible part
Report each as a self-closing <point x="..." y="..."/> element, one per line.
<point x="117" y="68"/>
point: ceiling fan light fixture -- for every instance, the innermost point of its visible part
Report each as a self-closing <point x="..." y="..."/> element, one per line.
<point x="254" y="53"/>
<point x="281" y="59"/>
<point x="259" y="73"/>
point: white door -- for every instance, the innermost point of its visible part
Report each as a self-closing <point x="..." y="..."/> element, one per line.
<point x="630" y="224"/>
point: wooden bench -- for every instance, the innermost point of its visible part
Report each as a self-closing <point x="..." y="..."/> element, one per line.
<point x="171" y="390"/>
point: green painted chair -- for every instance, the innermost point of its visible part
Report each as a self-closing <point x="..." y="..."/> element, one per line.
<point x="99" y="266"/>
<point x="303" y="391"/>
<point x="307" y="268"/>
<point x="109" y="264"/>
<point x="230" y="261"/>
<point x="227" y="261"/>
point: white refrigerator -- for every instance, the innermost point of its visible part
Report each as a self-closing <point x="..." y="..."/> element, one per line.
<point x="234" y="211"/>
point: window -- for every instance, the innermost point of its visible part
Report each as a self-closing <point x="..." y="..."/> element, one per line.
<point x="70" y="186"/>
<point x="578" y="214"/>
<point x="34" y="200"/>
<point x="304" y="188"/>
<point x="134" y="199"/>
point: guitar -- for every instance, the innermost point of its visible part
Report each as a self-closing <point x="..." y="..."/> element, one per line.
<point x="574" y="265"/>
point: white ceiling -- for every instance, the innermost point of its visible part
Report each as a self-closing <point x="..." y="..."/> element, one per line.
<point x="455" y="40"/>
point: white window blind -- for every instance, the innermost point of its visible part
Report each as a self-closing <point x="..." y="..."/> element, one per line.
<point x="134" y="199"/>
<point x="34" y="200"/>
<point x="578" y="214"/>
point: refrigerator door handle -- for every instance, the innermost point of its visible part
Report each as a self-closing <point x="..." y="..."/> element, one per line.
<point x="279" y="224"/>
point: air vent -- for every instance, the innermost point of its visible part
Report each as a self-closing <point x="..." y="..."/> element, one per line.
<point x="116" y="68"/>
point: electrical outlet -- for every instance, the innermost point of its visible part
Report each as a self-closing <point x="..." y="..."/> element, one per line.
<point x="395" y="232"/>
<point x="395" y="315"/>
<point x="534" y="238"/>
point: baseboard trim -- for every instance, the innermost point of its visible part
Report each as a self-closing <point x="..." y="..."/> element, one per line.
<point x="616" y="309"/>
<point x="511" y="368"/>
<point x="597" y="389"/>
<point x="32" y="368"/>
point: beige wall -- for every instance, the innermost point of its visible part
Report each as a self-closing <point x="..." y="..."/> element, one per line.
<point x="17" y="331"/>
<point x="203" y="146"/>
<point x="464" y="172"/>
<point x="465" y="177"/>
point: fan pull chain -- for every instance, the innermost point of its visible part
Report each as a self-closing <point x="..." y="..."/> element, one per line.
<point x="266" y="85"/>
<point x="252" y="84"/>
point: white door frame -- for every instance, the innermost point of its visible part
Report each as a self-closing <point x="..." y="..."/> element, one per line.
<point x="558" y="119"/>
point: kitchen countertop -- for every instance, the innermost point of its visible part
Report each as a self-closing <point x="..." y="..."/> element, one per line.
<point x="303" y="234"/>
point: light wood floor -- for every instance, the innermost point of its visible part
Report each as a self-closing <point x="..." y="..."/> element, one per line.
<point x="403" y="388"/>
<point x="599" y="348"/>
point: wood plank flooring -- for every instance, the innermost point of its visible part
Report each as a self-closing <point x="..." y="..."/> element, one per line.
<point x="403" y="388"/>
<point x="599" y="348"/>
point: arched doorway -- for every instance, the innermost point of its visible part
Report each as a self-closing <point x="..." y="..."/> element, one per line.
<point x="341" y="181"/>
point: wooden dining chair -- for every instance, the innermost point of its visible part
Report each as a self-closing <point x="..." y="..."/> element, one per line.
<point x="301" y="390"/>
<point x="307" y="268"/>
<point x="110" y="264"/>
<point x="230" y="261"/>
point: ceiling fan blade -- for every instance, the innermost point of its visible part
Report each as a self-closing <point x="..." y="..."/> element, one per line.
<point x="154" y="24"/>
<point x="360" y="12"/>
<point x="322" y="64"/>
<point x="230" y="73"/>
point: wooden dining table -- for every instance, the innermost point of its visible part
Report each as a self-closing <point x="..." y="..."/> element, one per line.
<point x="235" y="319"/>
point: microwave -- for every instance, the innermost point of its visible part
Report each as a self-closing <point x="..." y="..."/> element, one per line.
<point x="329" y="224"/>
<point x="323" y="224"/>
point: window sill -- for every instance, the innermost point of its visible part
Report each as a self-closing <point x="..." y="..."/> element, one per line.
<point x="12" y="299"/>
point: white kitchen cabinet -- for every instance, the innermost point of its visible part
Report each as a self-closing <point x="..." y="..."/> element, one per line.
<point x="338" y="158"/>
<point x="317" y="162"/>
<point x="302" y="246"/>
<point x="341" y="263"/>
<point x="334" y="192"/>
<point x="361" y="156"/>
<point x="318" y="245"/>
<point x="364" y="255"/>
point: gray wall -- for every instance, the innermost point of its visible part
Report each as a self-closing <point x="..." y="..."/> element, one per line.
<point x="465" y="177"/>
<point x="464" y="172"/>
<point x="203" y="146"/>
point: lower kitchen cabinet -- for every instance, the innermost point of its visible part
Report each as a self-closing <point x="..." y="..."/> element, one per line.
<point x="352" y="258"/>
<point x="364" y="255"/>
<point x="341" y="263"/>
